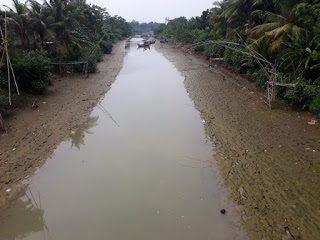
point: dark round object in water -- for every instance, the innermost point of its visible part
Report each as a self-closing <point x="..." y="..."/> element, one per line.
<point x="223" y="211"/>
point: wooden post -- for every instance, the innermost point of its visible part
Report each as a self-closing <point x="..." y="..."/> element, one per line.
<point x="270" y="94"/>
<point x="9" y="80"/>
<point x="83" y="67"/>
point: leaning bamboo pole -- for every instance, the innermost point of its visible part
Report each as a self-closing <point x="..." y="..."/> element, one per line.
<point x="268" y="68"/>
<point x="4" y="36"/>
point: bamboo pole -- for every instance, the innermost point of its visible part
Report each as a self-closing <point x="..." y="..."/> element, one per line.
<point x="10" y="71"/>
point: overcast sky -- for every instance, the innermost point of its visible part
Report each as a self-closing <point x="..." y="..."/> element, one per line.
<point x="147" y="11"/>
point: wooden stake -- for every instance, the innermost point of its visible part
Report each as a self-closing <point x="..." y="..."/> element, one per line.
<point x="10" y="71"/>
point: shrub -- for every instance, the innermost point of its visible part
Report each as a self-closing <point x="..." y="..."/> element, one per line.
<point x="92" y="54"/>
<point x="300" y="94"/>
<point x="3" y="80"/>
<point x="198" y="36"/>
<point x="4" y="102"/>
<point x="235" y="60"/>
<point x="315" y="105"/>
<point x="283" y="78"/>
<point x="213" y="50"/>
<point x="33" y="71"/>
<point x="106" y="46"/>
<point x="260" y="79"/>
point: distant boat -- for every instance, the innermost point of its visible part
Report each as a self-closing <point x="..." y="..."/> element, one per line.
<point x="144" y="43"/>
<point x="163" y="40"/>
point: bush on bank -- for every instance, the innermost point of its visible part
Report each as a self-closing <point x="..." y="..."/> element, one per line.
<point x="93" y="55"/>
<point x="32" y="72"/>
<point x="315" y="105"/>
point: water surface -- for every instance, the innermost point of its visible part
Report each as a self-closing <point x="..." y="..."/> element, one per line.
<point x="140" y="168"/>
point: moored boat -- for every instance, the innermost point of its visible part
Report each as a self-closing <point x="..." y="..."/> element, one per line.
<point x="144" y="43"/>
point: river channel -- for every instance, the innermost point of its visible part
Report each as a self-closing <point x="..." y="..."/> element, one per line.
<point x="140" y="168"/>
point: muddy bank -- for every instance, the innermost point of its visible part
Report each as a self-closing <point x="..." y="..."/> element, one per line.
<point x="269" y="159"/>
<point x="33" y="134"/>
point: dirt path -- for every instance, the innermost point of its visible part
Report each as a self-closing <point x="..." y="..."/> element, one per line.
<point x="34" y="133"/>
<point x="269" y="159"/>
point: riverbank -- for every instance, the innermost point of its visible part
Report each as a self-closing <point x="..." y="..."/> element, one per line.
<point x="269" y="159"/>
<point x="34" y="133"/>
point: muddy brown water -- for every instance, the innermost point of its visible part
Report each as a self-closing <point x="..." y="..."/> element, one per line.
<point x="140" y="168"/>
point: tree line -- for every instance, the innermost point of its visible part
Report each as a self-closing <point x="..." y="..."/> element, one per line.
<point x="285" y="32"/>
<point x="140" y="28"/>
<point x="56" y="30"/>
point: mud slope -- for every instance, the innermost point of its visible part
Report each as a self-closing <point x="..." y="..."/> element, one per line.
<point x="269" y="159"/>
<point x="34" y="133"/>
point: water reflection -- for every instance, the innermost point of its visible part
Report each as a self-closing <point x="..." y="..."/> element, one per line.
<point x="107" y="113"/>
<point x="77" y="138"/>
<point x="145" y="48"/>
<point x="24" y="217"/>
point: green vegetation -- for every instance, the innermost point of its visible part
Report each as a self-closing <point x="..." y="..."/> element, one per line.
<point x="285" y="32"/>
<point x="56" y="31"/>
<point x="33" y="71"/>
<point x="140" y="28"/>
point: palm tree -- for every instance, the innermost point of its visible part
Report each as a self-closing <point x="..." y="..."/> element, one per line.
<point x="238" y="13"/>
<point x="279" y="24"/>
<point x="18" y="17"/>
<point x="38" y="27"/>
<point x="302" y="57"/>
<point x="232" y="17"/>
<point x="63" y="19"/>
<point x="218" y="19"/>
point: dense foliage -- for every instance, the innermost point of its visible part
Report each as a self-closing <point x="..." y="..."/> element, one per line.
<point x="286" y="32"/>
<point x="33" y="71"/>
<point x="140" y="28"/>
<point x="56" y="30"/>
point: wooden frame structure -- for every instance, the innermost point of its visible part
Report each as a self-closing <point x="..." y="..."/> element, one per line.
<point x="5" y="53"/>
<point x="268" y="68"/>
<point x="84" y="67"/>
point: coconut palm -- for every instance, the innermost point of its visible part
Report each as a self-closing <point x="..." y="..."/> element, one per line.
<point x="218" y="19"/>
<point x="302" y="57"/>
<point x="18" y="17"/>
<point x="238" y="13"/>
<point x="63" y="19"/>
<point x="279" y="24"/>
<point x="38" y="27"/>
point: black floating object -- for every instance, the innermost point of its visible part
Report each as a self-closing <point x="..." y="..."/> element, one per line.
<point x="223" y="211"/>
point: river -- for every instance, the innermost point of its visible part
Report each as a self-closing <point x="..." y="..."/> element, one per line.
<point x="140" y="168"/>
